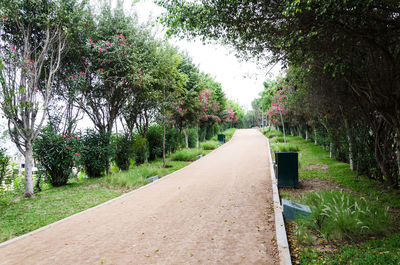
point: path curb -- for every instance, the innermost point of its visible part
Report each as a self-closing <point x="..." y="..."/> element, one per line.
<point x="281" y="237"/>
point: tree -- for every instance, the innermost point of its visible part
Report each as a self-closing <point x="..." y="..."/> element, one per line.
<point x="34" y="35"/>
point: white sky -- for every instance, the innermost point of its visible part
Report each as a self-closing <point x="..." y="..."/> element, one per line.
<point x="241" y="81"/>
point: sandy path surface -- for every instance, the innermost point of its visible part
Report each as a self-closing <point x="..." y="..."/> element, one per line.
<point x="218" y="210"/>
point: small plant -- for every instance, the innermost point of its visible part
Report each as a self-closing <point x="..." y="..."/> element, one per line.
<point x="280" y="147"/>
<point x="96" y="153"/>
<point x="187" y="154"/>
<point x="56" y="154"/>
<point x="123" y="151"/>
<point x="277" y="139"/>
<point x="155" y="138"/>
<point x="210" y="145"/>
<point x="140" y="149"/>
<point x="340" y="215"/>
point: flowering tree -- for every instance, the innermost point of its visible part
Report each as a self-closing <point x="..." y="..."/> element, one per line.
<point x="33" y="43"/>
<point x="278" y="111"/>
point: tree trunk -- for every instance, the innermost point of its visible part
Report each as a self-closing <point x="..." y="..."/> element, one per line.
<point x="198" y="138"/>
<point x="163" y="145"/>
<point x="186" y="133"/>
<point x="331" y="150"/>
<point x="306" y="134"/>
<point x="300" y="134"/>
<point x="351" y="151"/>
<point x="398" y="153"/>
<point x="28" y="171"/>
<point x="283" y="126"/>
<point x="315" y="136"/>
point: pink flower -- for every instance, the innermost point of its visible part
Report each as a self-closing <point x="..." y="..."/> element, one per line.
<point x="179" y="109"/>
<point x="82" y="73"/>
<point x="13" y="49"/>
<point x="101" y="69"/>
<point x="77" y="154"/>
<point x="5" y="19"/>
<point x="63" y="135"/>
<point x="100" y="49"/>
<point x="182" y="102"/>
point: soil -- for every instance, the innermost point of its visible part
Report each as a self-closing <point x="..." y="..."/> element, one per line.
<point x="215" y="211"/>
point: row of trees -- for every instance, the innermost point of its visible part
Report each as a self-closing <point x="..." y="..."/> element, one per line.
<point x="62" y="61"/>
<point x="343" y="61"/>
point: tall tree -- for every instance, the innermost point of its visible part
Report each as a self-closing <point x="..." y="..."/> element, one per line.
<point x="34" y="35"/>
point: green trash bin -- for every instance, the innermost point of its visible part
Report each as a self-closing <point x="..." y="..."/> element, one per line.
<point x="287" y="170"/>
<point x="221" y="138"/>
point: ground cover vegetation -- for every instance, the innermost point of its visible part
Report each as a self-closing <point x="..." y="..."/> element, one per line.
<point x="63" y="60"/>
<point x="351" y="222"/>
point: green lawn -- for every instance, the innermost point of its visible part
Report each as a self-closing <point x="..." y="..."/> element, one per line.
<point x="21" y="216"/>
<point x="377" y="251"/>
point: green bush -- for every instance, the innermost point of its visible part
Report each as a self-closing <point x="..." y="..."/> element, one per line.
<point x="210" y="145"/>
<point x="124" y="150"/>
<point x="154" y="138"/>
<point x="4" y="160"/>
<point x="187" y="154"/>
<point x="96" y="153"/>
<point x="172" y="140"/>
<point x="340" y="215"/>
<point x="56" y="153"/>
<point x="140" y="149"/>
<point x="277" y="139"/>
<point x="192" y="137"/>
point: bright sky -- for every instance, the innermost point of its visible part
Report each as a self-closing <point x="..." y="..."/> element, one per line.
<point x="241" y="81"/>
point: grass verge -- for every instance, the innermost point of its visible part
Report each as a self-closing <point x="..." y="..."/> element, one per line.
<point x="375" y="248"/>
<point x="210" y="145"/>
<point x="187" y="154"/>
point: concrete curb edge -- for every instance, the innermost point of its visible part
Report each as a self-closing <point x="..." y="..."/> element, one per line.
<point x="281" y="237"/>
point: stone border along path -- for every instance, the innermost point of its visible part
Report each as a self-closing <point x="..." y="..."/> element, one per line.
<point x="217" y="210"/>
<point x="282" y="242"/>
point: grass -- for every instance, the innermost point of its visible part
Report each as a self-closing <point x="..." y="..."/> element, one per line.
<point x="187" y="154"/>
<point x="277" y="139"/>
<point x="136" y="176"/>
<point x="20" y="216"/>
<point x="382" y="251"/>
<point x="339" y="215"/>
<point x="280" y="147"/>
<point x="372" y="251"/>
<point x="210" y="145"/>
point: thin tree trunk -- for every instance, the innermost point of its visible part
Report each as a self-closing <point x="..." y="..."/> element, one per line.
<point x="315" y="136"/>
<point x="163" y="144"/>
<point x="331" y="150"/>
<point x="198" y="137"/>
<point x="398" y="154"/>
<point x="28" y="171"/>
<point x="283" y="125"/>
<point x="186" y="133"/>
<point x="306" y="134"/>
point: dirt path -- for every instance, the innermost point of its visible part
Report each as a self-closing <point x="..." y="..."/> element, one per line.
<point x="215" y="211"/>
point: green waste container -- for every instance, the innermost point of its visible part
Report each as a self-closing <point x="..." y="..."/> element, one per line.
<point x="221" y="138"/>
<point x="287" y="169"/>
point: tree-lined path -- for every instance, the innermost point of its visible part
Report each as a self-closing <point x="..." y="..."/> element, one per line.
<point x="218" y="210"/>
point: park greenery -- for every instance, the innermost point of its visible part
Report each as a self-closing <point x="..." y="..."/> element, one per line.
<point x="342" y="67"/>
<point x="64" y="62"/>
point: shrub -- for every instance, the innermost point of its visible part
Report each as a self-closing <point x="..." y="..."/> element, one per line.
<point x="140" y="149"/>
<point x="187" y="154"/>
<point x="96" y="152"/>
<point x="172" y="140"/>
<point x="123" y="151"/>
<point x="56" y="153"/>
<point x="192" y="137"/>
<point x="154" y="138"/>
<point x="4" y="160"/>
<point x="210" y="145"/>
<point x="277" y="139"/>
<point x="340" y="215"/>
